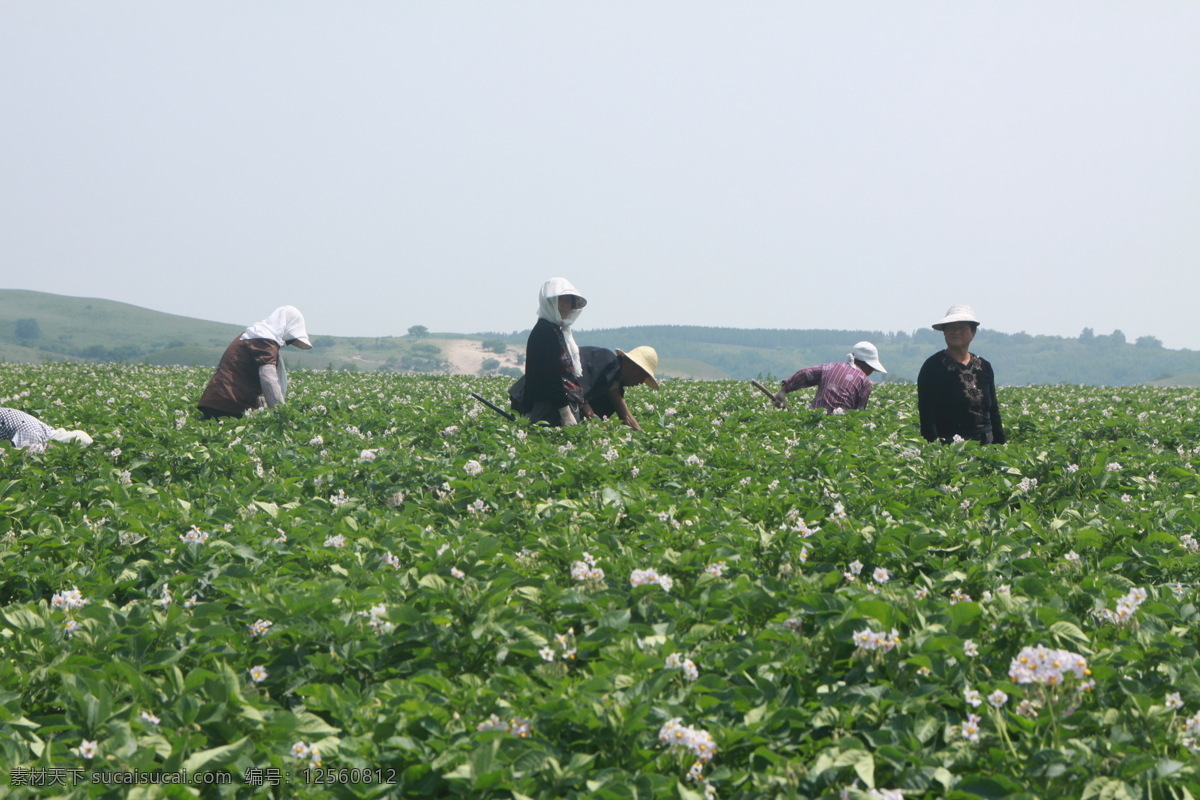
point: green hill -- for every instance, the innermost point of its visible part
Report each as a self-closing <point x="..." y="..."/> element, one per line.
<point x="95" y="329"/>
<point x="36" y="326"/>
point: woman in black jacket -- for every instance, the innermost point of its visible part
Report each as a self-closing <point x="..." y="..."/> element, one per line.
<point x="956" y="389"/>
<point x="553" y="390"/>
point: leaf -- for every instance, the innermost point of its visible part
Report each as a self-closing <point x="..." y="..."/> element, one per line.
<point x="754" y="716"/>
<point x="878" y="610"/>
<point x="23" y="619"/>
<point x="988" y="787"/>
<point x="211" y="760"/>
<point x="964" y="613"/>
<point x="1107" y="789"/>
<point x="616" y="620"/>
<point x="926" y="729"/>
<point x="865" y="769"/>
<point x="271" y="508"/>
<point x="834" y="759"/>
<point x="432" y="581"/>
<point x="529" y="761"/>
<point x="1069" y="631"/>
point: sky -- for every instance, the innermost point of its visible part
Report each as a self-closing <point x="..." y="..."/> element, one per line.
<point x="856" y="165"/>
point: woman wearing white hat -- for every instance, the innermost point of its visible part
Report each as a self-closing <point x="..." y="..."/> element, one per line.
<point x="607" y="373"/>
<point x="841" y="385"/>
<point x="956" y="389"/>
<point x="251" y="371"/>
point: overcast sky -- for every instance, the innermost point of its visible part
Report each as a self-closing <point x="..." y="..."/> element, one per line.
<point x="854" y="165"/>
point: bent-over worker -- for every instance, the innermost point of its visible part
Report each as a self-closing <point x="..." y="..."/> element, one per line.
<point x="26" y="430"/>
<point x="841" y="385"/>
<point x="251" y="372"/>
<point x="607" y="373"/>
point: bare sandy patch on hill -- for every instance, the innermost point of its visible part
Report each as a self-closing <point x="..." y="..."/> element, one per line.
<point x="466" y="356"/>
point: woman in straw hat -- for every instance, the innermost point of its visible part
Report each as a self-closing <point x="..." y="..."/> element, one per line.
<point x="956" y="389"/>
<point x="841" y="385"/>
<point x="607" y="373"/>
<point x="251" y="371"/>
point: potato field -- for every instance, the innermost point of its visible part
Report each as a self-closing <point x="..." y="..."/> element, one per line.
<point x="384" y="589"/>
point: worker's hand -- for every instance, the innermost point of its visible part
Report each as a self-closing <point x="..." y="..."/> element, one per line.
<point x="780" y="399"/>
<point x="567" y="416"/>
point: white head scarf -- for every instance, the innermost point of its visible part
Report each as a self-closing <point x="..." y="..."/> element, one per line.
<point x="285" y="324"/>
<point x="548" y="310"/>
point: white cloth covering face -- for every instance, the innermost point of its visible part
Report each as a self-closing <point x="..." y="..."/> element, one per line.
<point x="285" y="324"/>
<point x="548" y="310"/>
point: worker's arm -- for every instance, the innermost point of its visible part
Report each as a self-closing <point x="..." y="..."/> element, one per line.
<point x="268" y="378"/>
<point x="618" y="401"/>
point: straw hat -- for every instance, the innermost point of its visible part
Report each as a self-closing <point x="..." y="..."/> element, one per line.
<point x="646" y="358"/>
<point x="869" y="355"/>
<point x="957" y="313"/>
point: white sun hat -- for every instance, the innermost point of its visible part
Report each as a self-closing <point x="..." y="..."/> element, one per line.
<point x="868" y="354"/>
<point x="957" y="313"/>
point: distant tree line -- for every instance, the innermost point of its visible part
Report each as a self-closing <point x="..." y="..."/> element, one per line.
<point x="1019" y="358"/>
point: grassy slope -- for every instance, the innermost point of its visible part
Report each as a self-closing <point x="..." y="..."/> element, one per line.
<point x="80" y="321"/>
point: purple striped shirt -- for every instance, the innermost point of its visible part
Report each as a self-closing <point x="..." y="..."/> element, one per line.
<point x="840" y="384"/>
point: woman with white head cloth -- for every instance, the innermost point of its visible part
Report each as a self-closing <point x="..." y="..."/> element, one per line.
<point x="553" y="374"/>
<point x="251" y="372"/>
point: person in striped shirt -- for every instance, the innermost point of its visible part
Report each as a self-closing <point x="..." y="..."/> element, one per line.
<point x="26" y="430"/>
<point x="841" y="385"/>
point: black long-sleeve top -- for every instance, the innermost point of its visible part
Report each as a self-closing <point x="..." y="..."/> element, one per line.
<point x="958" y="399"/>
<point x="549" y="374"/>
<point x="601" y="374"/>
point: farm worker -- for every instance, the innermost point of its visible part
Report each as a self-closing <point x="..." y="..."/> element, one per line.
<point x="841" y="385"/>
<point x="956" y="389"/>
<point x="26" y="430"/>
<point x="552" y="389"/>
<point x="251" y="371"/>
<point x="607" y="373"/>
